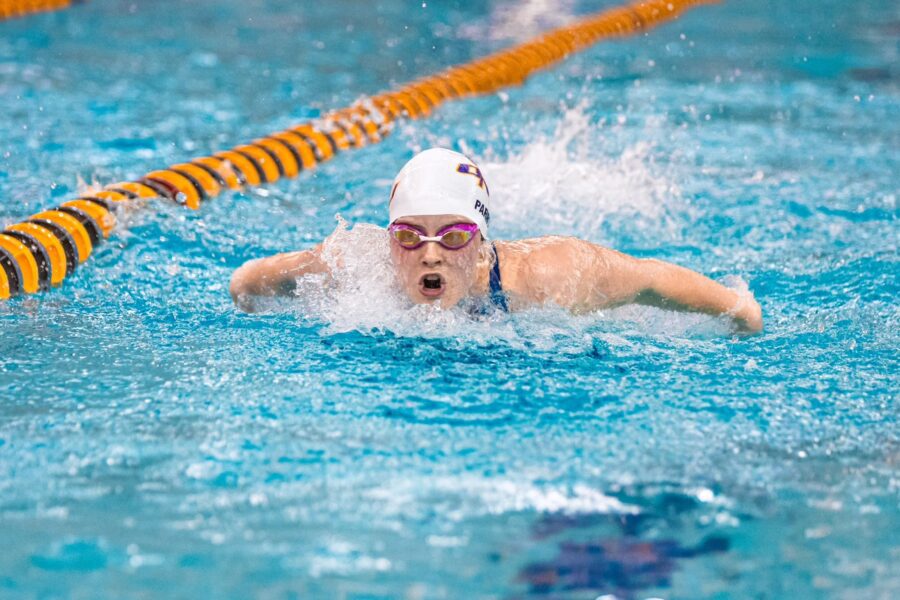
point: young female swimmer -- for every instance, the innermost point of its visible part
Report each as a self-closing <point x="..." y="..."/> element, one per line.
<point x="441" y="254"/>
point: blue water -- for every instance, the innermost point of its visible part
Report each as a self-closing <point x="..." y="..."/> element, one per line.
<point x="154" y="441"/>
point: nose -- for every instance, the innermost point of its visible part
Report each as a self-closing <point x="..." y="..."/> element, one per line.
<point x="431" y="254"/>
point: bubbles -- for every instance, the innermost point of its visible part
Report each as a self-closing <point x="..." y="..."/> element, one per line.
<point x="463" y="497"/>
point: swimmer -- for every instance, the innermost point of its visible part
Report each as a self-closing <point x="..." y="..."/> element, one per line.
<point x="442" y="254"/>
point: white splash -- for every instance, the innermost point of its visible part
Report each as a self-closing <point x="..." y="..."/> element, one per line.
<point x="564" y="185"/>
<point x="362" y="294"/>
<point x="519" y="20"/>
<point x="465" y="497"/>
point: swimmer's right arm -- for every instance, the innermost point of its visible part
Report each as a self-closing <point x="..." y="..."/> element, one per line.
<point x="274" y="275"/>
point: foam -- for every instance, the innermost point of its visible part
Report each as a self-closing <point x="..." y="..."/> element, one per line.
<point x="363" y="295"/>
<point x="564" y="184"/>
<point x="473" y="495"/>
<point x="517" y="21"/>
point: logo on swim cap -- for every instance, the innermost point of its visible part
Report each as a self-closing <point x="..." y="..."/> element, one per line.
<point x="473" y="170"/>
<point x="394" y="191"/>
<point x="441" y="182"/>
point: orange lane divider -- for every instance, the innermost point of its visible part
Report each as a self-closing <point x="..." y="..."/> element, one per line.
<point x="19" y="8"/>
<point x="47" y="247"/>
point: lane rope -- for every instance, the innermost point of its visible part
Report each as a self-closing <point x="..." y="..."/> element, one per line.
<point x="47" y="247"/>
<point x="10" y="9"/>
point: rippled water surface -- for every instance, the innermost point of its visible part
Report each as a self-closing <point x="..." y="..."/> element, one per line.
<point x="156" y="441"/>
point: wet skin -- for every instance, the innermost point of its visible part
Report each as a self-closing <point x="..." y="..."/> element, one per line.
<point x="565" y="271"/>
<point x="458" y="273"/>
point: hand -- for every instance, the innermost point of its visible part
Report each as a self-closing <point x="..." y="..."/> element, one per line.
<point x="748" y="314"/>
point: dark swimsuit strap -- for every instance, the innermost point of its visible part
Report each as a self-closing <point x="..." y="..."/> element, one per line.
<point x="498" y="297"/>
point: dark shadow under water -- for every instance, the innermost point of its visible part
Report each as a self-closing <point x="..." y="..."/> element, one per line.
<point x="622" y="562"/>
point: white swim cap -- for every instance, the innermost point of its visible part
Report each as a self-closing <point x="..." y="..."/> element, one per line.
<point x="441" y="182"/>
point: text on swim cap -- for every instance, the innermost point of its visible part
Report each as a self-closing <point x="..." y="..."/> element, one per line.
<point x="483" y="210"/>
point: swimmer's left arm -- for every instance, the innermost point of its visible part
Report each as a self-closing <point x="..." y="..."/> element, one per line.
<point x="658" y="283"/>
<point x="583" y="276"/>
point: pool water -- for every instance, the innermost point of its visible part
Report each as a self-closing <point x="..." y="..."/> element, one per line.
<point x="155" y="441"/>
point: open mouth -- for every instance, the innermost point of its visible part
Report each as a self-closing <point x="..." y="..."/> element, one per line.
<point x="431" y="285"/>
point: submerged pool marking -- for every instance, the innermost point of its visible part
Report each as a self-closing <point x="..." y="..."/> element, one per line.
<point x="300" y="148"/>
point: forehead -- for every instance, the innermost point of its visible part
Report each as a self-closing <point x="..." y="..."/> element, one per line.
<point x="433" y="221"/>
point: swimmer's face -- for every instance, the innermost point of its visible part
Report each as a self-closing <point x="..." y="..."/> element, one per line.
<point x="431" y="273"/>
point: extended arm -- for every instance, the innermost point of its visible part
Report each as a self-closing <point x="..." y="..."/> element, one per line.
<point x="584" y="277"/>
<point x="658" y="283"/>
<point x="274" y="275"/>
<point x="672" y="286"/>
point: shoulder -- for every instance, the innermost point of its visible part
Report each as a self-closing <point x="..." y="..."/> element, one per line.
<point x="551" y="268"/>
<point x="552" y="252"/>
